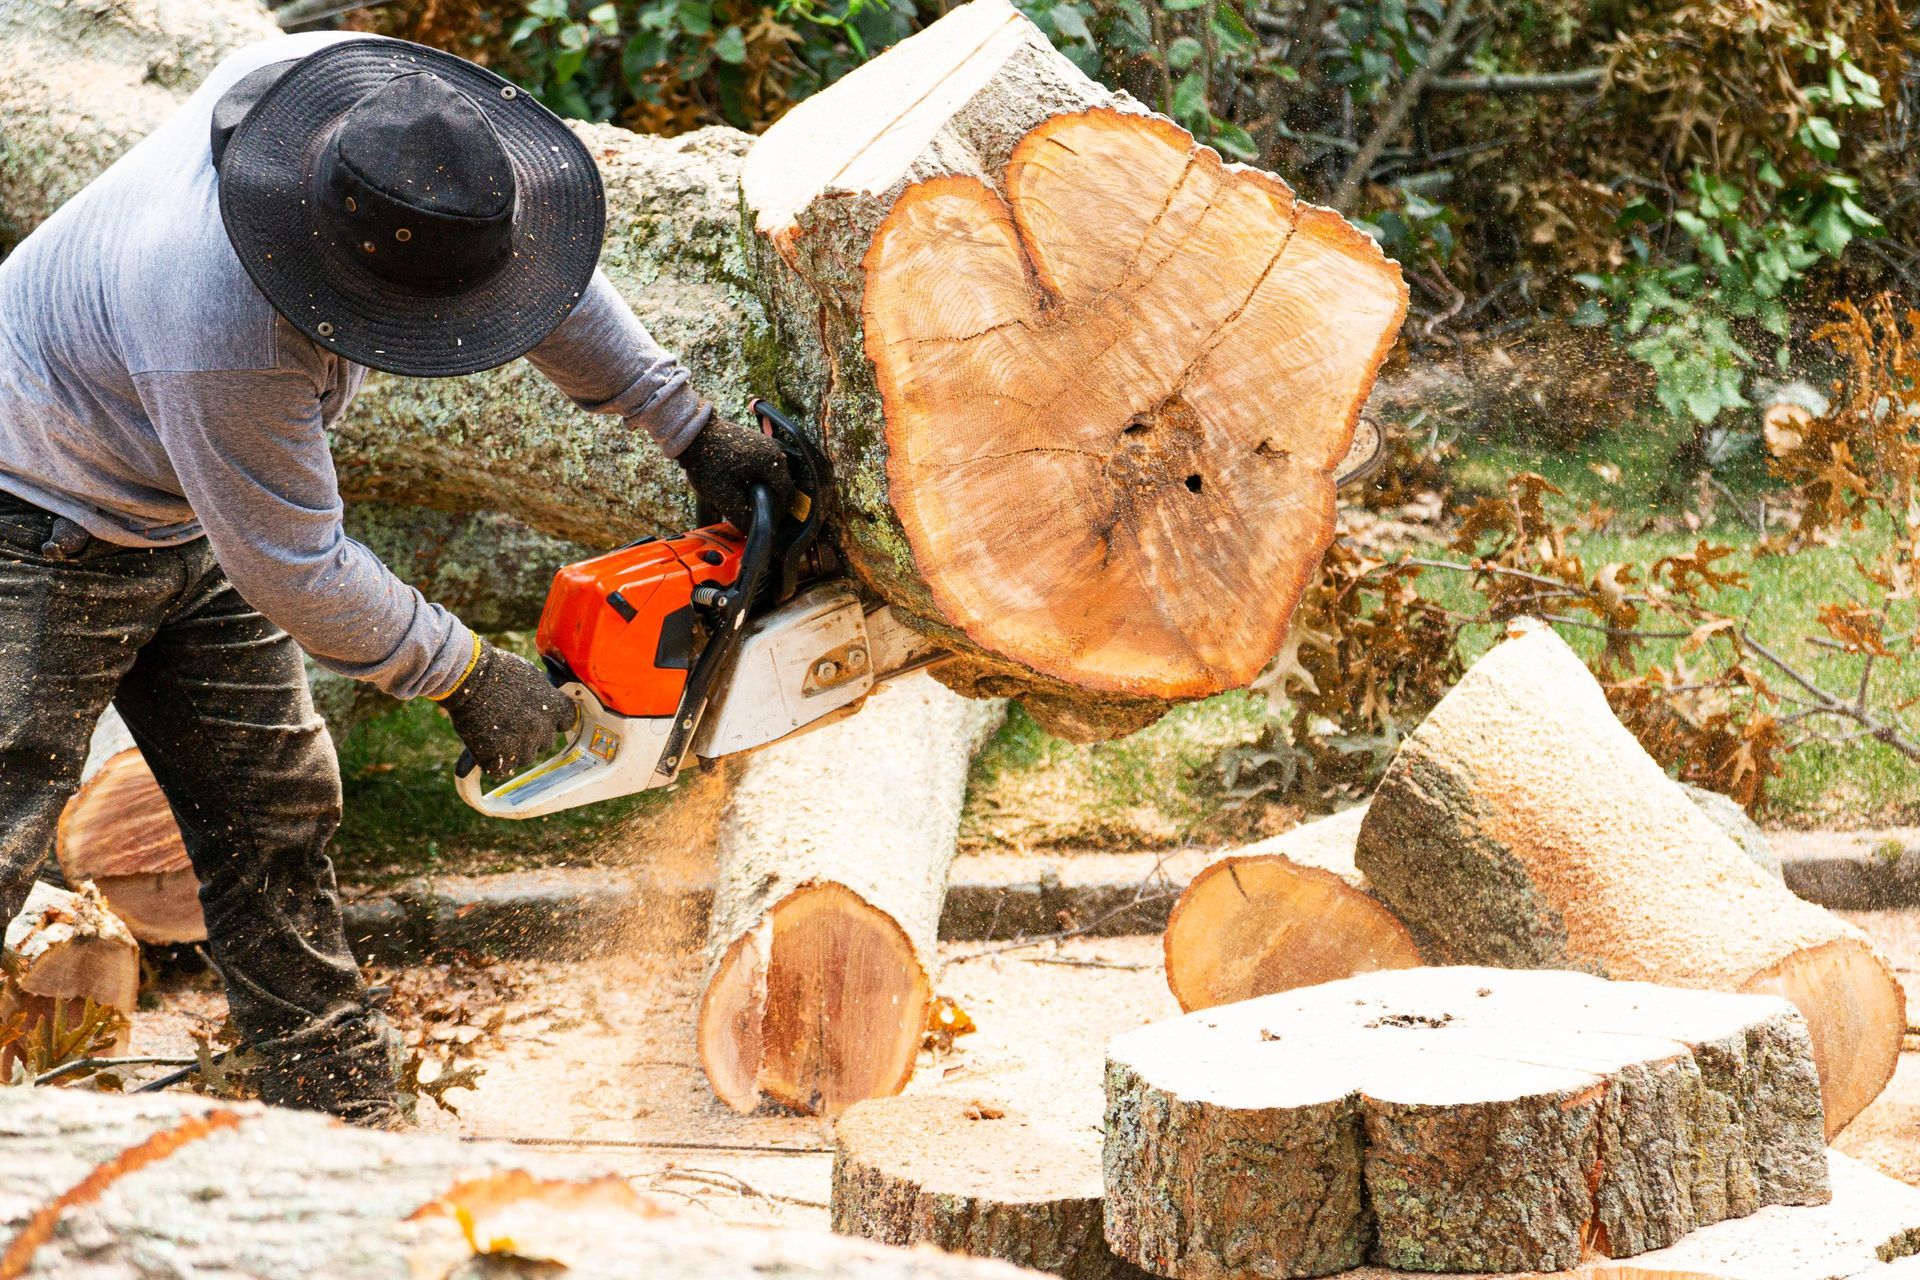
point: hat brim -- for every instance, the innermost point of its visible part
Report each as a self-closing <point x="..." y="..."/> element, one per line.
<point x="316" y="282"/>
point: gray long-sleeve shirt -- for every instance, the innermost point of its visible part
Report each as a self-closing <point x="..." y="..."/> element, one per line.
<point x="150" y="393"/>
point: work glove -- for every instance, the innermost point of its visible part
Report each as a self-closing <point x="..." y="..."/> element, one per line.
<point x="505" y="711"/>
<point x="726" y="460"/>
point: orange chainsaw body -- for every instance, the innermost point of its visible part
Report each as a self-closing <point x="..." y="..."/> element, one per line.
<point x="623" y="623"/>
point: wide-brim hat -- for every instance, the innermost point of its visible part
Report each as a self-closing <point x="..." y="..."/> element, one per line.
<point x="316" y="275"/>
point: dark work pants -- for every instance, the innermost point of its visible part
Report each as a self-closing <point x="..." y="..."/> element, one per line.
<point x="217" y="699"/>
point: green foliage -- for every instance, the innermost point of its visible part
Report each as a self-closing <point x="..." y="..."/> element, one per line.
<point x="1696" y="311"/>
<point x="672" y="65"/>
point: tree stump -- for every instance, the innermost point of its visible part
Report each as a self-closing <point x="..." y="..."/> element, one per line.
<point x="831" y="870"/>
<point x="1015" y="1182"/>
<point x="1453" y="1119"/>
<point x="1284" y="913"/>
<point x="1522" y="825"/>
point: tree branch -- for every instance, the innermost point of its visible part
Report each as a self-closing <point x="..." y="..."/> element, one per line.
<point x="1516" y="83"/>
<point x="1396" y="114"/>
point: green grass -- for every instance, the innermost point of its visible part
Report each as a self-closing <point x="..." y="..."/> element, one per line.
<point x="1031" y="789"/>
<point x="403" y="818"/>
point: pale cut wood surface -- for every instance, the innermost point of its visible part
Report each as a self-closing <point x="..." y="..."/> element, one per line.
<point x="1453" y="1119"/>
<point x="118" y="832"/>
<point x="64" y="949"/>
<point x="1522" y="825"/>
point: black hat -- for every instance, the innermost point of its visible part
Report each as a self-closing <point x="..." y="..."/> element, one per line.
<point x="401" y="206"/>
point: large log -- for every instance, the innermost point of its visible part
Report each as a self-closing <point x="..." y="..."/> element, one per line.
<point x="118" y="832"/>
<point x="1286" y="912"/>
<point x="1083" y="384"/>
<point x="165" y="1185"/>
<point x="831" y="870"/>
<point x="996" y="1179"/>
<point x="81" y="82"/>
<point x="1522" y="825"/>
<point x="1453" y="1119"/>
<point x="1110" y="514"/>
<point x="67" y="958"/>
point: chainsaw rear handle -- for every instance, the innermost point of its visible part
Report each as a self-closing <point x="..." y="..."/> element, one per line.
<point x="578" y="773"/>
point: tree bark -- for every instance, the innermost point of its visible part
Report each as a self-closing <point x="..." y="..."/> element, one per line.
<point x="1521" y="825"/>
<point x="1015" y="1182"/>
<point x="81" y="82"/>
<point x="1455" y="1119"/>
<point x="832" y="867"/>
<point x="118" y="831"/>
<point x="164" y="1185"/>
<point x="64" y="950"/>
<point x="1287" y="912"/>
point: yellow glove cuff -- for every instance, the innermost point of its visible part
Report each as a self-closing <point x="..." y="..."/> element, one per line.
<point x="472" y="662"/>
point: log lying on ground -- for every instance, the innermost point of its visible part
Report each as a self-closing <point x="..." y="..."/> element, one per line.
<point x="1284" y="913"/>
<point x="1453" y="1119"/>
<point x="1522" y="825"/>
<point x="166" y="1185"/>
<point x="118" y="832"/>
<point x="1015" y="1181"/>
<point x="64" y="951"/>
<point x="832" y="865"/>
<point x="1077" y="329"/>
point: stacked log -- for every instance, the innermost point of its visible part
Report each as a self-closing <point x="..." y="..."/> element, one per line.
<point x="1521" y="825"/>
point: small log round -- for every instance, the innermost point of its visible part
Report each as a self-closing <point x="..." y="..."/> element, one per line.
<point x="65" y="950"/>
<point x="1284" y="913"/>
<point x="1016" y="1182"/>
<point x="118" y="831"/>
<point x="1453" y="1119"/>
<point x="830" y="873"/>
<point x="1522" y="825"/>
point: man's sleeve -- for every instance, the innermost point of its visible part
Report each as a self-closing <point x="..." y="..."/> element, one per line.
<point x="605" y="361"/>
<point x="251" y="456"/>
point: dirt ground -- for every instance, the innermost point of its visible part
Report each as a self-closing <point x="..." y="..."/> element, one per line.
<point x="599" y="1057"/>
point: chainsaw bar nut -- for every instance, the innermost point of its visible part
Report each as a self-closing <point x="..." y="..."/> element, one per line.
<point x="825" y="670"/>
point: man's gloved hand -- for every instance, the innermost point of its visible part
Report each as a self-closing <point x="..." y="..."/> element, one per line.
<point x="506" y="712"/>
<point x="725" y="460"/>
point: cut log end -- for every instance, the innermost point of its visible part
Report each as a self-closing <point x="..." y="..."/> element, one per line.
<point x="1287" y="912"/>
<point x="821" y="1006"/>
<point x="1856" y="1013"/>
<point x="1162" y="358"/>
<point x="1019" y="1183"/>
<point x="64" y="950"/>
<point x="119" y="832"/>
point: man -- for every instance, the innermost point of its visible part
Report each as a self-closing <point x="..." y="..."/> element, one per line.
<point x="174" y="343"/>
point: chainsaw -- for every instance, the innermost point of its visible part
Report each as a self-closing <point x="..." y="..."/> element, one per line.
<point x="690" y="648"/>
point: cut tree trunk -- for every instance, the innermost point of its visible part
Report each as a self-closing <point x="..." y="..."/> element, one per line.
<point x="1100" y="469"/>
<point x="80" y="83"/>
<point x="1287" y="912"/>
<point x="1015" y="1182"/>
<point x="118" y="831"/>
<point x="1086" y="388"/>
<point x="64" y="951"/>
<point x="1453" y="1119"/>
<point x="832" y="867"/>
<point x="1295" y="910"/>
<point x="1522" y="825"/>
<point x="164" y="1185"/>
